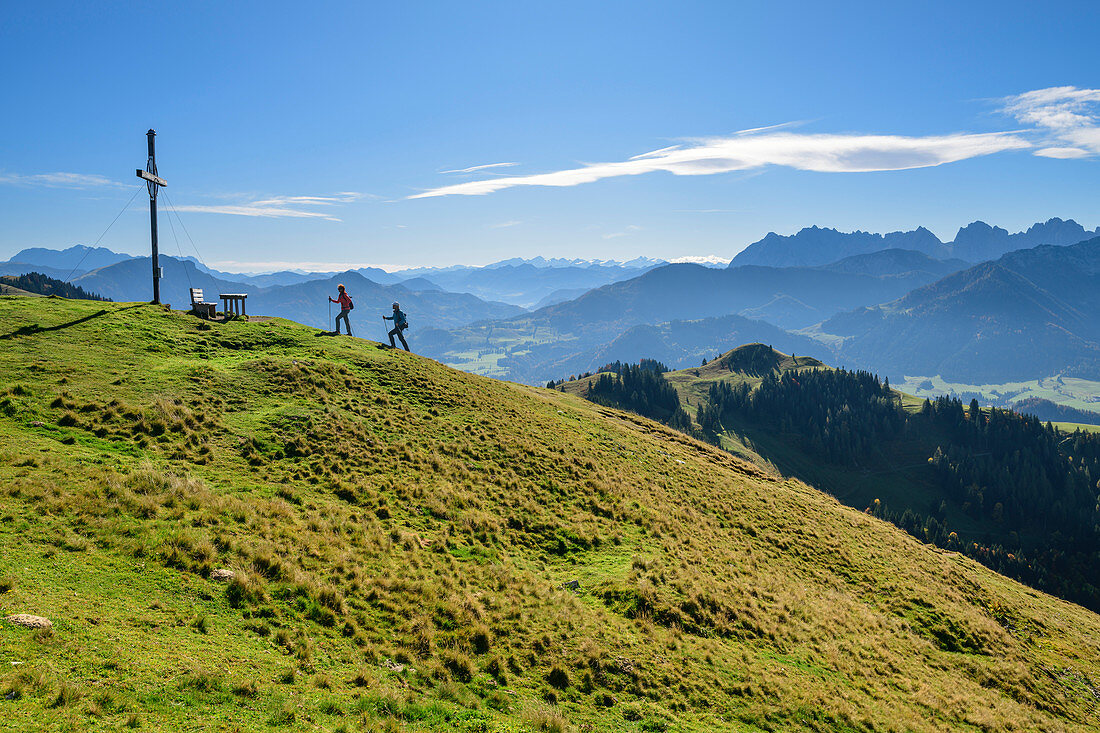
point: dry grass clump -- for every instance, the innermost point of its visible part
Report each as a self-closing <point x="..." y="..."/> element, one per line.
<point x="548" y="721"/>
<point x="245" y="590"/>
<point x="67" y="695"/>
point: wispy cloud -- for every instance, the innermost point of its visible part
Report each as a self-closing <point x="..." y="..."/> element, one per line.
<point x="1067" y="115"/>
<point x="505" y="224"/>
<point x="61" y="180"/>
<point x="629" y="230"/>
<point x="751" y="150"/>
<point x="708" y="211"/>
<point x="294" y="207"/>
<point x="476" y="168"/>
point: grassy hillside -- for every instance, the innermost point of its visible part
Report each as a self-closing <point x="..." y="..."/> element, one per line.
<point x="1016" y="495"/>
<point x="401" y="534"/>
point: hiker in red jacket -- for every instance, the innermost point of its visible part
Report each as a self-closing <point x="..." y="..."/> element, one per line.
<point x="345" y="307"/>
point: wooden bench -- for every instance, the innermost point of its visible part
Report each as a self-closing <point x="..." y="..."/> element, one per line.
<point x="200" y="307"/>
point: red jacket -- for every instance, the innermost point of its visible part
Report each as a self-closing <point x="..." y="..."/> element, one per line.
<point x="344" y="300"/>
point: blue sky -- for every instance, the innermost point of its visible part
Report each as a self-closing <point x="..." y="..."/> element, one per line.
<point x="318" y="134"/>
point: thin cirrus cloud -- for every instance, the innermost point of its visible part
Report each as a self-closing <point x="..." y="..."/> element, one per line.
<point x="479" y="168"/>
<point x="630" y="229"/>
<point x="293" y="207"/>
<point x="1067" y="117"/>
<point x="753" y="149"/>
<point x="60" y="179"/>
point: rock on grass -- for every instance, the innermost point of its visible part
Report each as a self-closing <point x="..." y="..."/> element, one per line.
<point x="29" y="621"/>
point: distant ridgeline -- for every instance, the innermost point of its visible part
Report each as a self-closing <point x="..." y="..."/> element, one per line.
<point x="1035" y="488"/>
<point x="36" y="282"/>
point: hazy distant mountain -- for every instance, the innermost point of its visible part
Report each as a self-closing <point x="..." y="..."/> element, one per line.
<point x="132" y="280"/>
<point x="896" y="262"/>
<point x="418" y="283"/>
<point x="681" y="344"/>
<point x="560" y="296"/>
<point x="303" y="302"/>
<point x="527" y="283"/>
<point x="532" y="347"/>
<point x="308" y="303"/>
<point x="815" y="246"/>
<point x="978" y="242"/>
<point x="291" y="277"/>
<point x="78" y="256"/>
<point x="22" y="268"/>
<point x="284" y="277"/>
<point x="1028" y="314"/>
<point x="975" y="242"/>
<point x="688" y="291"/>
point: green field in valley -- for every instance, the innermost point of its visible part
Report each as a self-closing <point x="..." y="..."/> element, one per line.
<point x="1082" y="394"/>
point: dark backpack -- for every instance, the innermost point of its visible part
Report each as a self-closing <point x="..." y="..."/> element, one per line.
<point x="351" y="304"/>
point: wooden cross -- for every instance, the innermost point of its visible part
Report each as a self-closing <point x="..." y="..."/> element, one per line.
<point x="153" y="182"/>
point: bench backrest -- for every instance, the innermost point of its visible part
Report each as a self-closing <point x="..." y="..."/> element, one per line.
<point x="196" y="295"/>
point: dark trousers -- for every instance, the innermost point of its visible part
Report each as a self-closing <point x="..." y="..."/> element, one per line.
<point x="396" y="331"/>
<point x="347" y="323"/>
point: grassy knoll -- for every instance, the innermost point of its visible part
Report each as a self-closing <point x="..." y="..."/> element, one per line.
<point x="401" y="533"/>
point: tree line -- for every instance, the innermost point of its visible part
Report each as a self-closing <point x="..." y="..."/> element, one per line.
<point x="36" y="282"/>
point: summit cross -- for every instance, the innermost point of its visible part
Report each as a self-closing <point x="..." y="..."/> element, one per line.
<point x="153" y="182"/>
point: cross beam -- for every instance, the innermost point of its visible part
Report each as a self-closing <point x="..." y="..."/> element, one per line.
<point x="150" y="177"/>
<point x="154" y="182"/>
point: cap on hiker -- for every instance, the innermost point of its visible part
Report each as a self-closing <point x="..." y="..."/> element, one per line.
<point x="396" y="305"/>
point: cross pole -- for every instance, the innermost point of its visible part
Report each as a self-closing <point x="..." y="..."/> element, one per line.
<point x="153" y="182"/>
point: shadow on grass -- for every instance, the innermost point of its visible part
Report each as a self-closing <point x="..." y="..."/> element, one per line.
<point x="34" y="329"/>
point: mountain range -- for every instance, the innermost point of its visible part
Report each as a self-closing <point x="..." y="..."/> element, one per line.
<point x="523" y="282"/>
<point x="975" y="242"/>
<point x="305" y="302"/>
<point x="902" y="303"/>
<point x="1029" y="313"/>
<point x="527" y="284"/>
<point x="573" y="336"/>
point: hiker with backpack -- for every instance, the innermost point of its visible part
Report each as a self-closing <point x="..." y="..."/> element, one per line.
<point x="345" y="307"/>
<point x="400" y="323"/>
